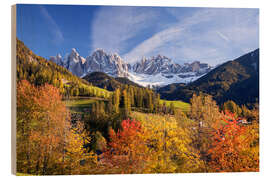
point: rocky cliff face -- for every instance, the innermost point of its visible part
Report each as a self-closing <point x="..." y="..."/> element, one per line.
<point x="164" y="65"/>
<point x="99" y="61"/>
<point x="155" y="65"/>
<point x="158" y="70"/>
<point x="111" y="64"/>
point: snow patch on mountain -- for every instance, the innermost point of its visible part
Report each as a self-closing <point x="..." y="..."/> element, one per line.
<point x="161" y="79"/>
<point x="155" y="71"/>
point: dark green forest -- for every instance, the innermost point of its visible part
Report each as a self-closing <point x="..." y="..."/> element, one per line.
<point x="105" y="81"/>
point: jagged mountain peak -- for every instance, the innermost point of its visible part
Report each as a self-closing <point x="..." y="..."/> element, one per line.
<point x="113" y="65"/>
<point x="160" y="57"/>
<point x="100" y="50"/>
<point x="57" y="59"/>
<point x="74" y="54"/>
<point x="58" y="56"/>
<point x="116" y="56"/>
<point x="154" y="65"/>
<point x="73" y="50"/>
<point x="98" y="53"/>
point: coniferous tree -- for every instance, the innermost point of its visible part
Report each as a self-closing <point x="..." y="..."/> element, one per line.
<point x="164" y="108"/>
<point x="102" y="108"/>
<point x="98" y="110"/>
<point x="131" y="92"/>
<point x="110" y="106"/>
<point x="150" y="101"/>
<point x="157" y="103"/>
<point x="93" y="110"/>
<point x="232" y="107"/>
<point x="140" y="98"/>
<point x="172" y="108"/>
<point x="124" y="103"/>
<point x="116" y="100"/>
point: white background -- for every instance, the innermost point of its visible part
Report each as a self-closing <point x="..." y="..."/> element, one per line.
<point x="5" y="84"/>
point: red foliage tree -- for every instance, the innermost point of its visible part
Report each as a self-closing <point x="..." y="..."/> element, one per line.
<point x="126" y="152"/>
<point x="230" y="151"/>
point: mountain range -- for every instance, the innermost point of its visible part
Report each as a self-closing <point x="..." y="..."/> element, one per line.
<point x="236" y="80"/>
<point x="99" y="61"/>
<point x="155" y="71"/>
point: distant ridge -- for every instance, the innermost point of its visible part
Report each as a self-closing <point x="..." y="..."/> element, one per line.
<point x="236" y="80"/>
<point x="105" y="81"/>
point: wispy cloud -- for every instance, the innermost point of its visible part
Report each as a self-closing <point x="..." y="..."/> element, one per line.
<point x="116" y="29"/>
<point x="212" y="35"/>
<point x="204" y="36"/>
<point x="223" y="36"/>
<point x="53" y="27"/>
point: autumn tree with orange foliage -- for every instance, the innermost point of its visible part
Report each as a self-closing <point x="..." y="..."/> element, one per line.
<point x="235" y="147"/>
<point x="41" y="122"/>
<point x="45" y="139"/>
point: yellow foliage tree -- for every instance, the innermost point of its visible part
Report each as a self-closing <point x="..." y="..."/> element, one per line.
<point x="77" y="159"/>
<point x="204" y="113"/>
<point x="167" y="145"/>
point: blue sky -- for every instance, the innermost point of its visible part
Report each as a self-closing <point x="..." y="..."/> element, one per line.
<point x="211" y="35"/>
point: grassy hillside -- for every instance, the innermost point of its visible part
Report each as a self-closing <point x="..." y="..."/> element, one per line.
<point x="236" y="80"/>
<point x="23" y="174"/>
<point x="37" y="70"/>
<point x="81" y="102"/>
<point x="185" y="107"/>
